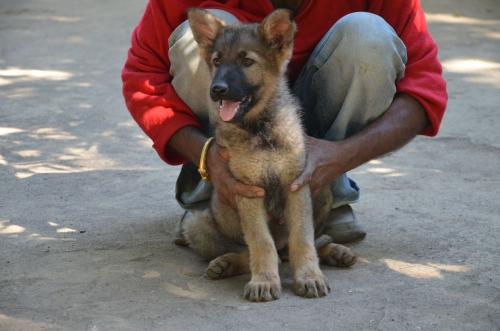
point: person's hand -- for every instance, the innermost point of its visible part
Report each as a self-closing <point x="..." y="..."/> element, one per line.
<point x="225" y="185"/>
<point x="324" y="163"/>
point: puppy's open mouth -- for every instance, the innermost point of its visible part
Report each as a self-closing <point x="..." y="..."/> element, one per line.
<point x="228" y="108"/>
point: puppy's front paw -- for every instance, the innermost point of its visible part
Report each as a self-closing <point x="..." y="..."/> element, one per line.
<point x="337" y="255"/>
<point x="311" y="285"/>
<point x="262" y="289"/>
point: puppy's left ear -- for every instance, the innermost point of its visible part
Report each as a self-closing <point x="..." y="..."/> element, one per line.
<point x="205" y="26"/>
<point x="278" y="29"/>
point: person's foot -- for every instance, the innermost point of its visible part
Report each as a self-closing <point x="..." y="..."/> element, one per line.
<point x="342" y="226"/>
<point x="179" y="239"/>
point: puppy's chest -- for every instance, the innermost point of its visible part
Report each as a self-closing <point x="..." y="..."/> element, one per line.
<point x="264" y="159"/>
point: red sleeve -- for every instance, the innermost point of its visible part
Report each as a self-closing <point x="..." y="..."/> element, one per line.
<point x="149" y="96"/>
<point x="423" y="76"/>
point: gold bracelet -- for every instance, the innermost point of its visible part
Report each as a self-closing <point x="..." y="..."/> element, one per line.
<point x="202" y="168"/>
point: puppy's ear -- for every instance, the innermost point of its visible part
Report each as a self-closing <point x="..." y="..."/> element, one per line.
<point x="278" y="29"/>
<point x="205" y="26"/>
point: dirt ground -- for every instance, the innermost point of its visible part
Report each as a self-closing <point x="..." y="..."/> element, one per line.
<point x="87" y="211"/>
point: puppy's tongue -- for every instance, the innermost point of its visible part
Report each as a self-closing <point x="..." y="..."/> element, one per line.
<point x="228" y="109"/>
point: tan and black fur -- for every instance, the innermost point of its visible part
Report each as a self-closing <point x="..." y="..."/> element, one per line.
<point x="266" y="144"/>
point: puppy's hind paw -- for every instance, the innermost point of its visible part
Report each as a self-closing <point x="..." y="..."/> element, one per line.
<point x="337" y="255"/>
<point x="220" y="267"/>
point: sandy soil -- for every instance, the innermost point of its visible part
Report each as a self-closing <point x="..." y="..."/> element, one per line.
<point x="87" y="210"/>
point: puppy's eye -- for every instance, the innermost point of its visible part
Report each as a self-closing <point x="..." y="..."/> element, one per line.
<point x="216" y="61"/>
<point x="247" y="62"/>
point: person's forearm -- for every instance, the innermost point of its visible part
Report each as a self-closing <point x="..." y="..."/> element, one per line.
<point x="404" y="119"/>
<point x="188" y="142"/>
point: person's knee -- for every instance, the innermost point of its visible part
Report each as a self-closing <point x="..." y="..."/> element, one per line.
<point x="356" y="69"/>
<point x="368" y="41"/>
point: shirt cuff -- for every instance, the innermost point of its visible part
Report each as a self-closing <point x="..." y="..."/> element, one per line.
<point x="160" y="143"/>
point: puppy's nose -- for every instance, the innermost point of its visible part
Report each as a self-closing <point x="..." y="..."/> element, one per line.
<point x="219" y="89"/>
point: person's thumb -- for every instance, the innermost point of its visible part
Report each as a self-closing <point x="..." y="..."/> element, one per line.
<point x="303" y="179"/>
<point x="224" y="153"/>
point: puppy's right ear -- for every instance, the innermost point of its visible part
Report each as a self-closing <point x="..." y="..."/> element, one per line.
<point x="205" y="26"/>
<point x="278" y="29"/>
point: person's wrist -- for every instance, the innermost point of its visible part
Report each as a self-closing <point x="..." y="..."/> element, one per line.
<point x="343" y="154"/>
<point x="211" y="154"/>
<point x="203" y="163"/>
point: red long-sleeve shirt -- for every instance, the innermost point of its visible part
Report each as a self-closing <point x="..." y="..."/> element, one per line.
<point x="160" y="113"/>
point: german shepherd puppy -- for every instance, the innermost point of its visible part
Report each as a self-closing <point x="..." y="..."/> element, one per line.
<point x="258" y="122"/>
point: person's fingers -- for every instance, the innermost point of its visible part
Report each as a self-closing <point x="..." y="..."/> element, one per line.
<point x="224" y="153"/>
<point x="303" y="179"/>
<point x="248" y="191"/>
<point x="232" y="202"/>
<point x="226" y="201"/>
<point x="224" y="195"/>
<point x="228" y="186"/>
<point x="315" y="189"/>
